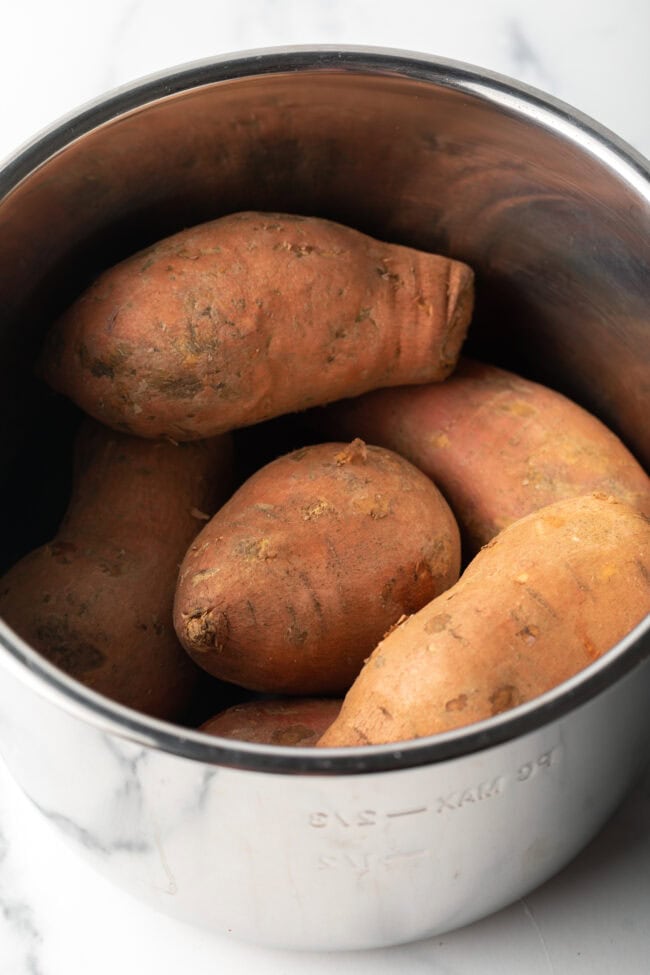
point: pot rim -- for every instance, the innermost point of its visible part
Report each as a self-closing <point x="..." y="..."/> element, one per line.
<point x="514" y="97"/>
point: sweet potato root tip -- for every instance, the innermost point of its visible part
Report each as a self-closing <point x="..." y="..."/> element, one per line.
<point x="206" y="630"/>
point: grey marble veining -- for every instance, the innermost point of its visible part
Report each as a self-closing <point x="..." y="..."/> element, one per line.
<point x="21" y="938"/>
<point x="527" y="60"/>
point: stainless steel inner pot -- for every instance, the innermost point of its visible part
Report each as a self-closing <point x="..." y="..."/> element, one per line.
<point x="359" y="847"/>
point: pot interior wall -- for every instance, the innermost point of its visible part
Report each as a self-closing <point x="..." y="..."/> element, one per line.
<point x="558" y="240"/>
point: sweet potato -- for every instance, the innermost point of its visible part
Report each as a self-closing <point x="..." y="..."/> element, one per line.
<point x="283" y="721"/>
<point x="251" y="316"/>
<point x="313" y="558"/>
<point x="97" y="600"/>
<point x="498" y="446"/>
<point x="540" y="602"/>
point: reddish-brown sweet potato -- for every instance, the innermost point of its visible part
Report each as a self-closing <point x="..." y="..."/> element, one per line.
<point x="251" y="316"/>
<point x="497" y="446"/>
<point x="294" y="580"/>
<point x="296" y="721"/>
<point x="97" y="600"/>
<point x="540" y="602"/>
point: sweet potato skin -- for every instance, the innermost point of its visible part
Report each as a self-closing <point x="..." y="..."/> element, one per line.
<point x="97" y="600"/>
<point x="293" y="721"/>
<point x="251" y="316"/>
<point x="540" y="602"/>
<point x="314" y="557"/>
<point x="498" y="446"/>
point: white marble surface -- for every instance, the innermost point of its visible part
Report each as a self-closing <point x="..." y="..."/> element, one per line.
<point x="56" y="916"/>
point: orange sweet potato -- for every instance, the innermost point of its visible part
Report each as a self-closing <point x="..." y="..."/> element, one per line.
<point x="97" y="600"/>
<point x="316" y="555"/>
<point x="498" y="446"/>
<point x="283" y="721"/>
<point x="540" y="602"/>
<point x="251" y="316"/>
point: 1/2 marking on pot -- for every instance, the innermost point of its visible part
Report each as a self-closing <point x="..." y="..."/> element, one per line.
<point x="319" y="820"/>
<point x="361" y="863"/>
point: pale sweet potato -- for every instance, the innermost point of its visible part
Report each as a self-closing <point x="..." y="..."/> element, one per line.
<point x="295" y="721"/>
<point x="251" y="316"/>
<point x="498" y="446"/>
<point x="97" y="600"/>
<point x="545" y="598"/>
<point x="314" y="557"/>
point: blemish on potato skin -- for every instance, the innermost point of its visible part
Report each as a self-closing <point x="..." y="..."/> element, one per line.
<point x="179" y="387"/>
<point x="456" y="703"/>
<point x="255" y="548"/>
<point x="60" y="647"/>
<point x="376" y="507"/>
<point x="299" y="455"/>
<point x="643" y="569"/>
<point x="517" y="408"/>
<point x="251" y="611"/>
<point x="505" y="697"/>
<point x="316" y="509"/>
<point x="438" y="623"/>
<point x="440" y="440"/>
<point x="361" y="735"/>
<point x="529" y="633"/>
<point x="102" y="368"/>
<point x="607" y="571"/>
<point x="98" y="368"/>
<point x="203" y="574"/>
<point x="62" y="552"/>
<point x="539" y="599"/>
<point x="296" y="635"/>
<point x="112" y="567"/>
<point x="296" y="734"/>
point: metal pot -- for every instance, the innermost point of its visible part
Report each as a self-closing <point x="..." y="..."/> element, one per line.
<point x="347" y="848"/>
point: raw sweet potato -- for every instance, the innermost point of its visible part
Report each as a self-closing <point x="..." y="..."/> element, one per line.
<point x="296" y="721"/>
<point x="251" y="316"/>
<point x="539" y="603"/>
<point x="97" y="600"/>
<point x="497" y="446"/>
<point x="294" y="580"/>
